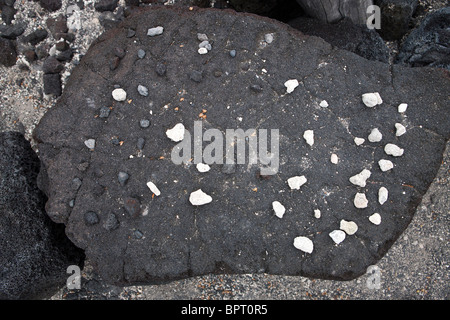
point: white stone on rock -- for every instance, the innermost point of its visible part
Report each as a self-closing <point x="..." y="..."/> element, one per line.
<point x="324" y="104"/>
<point x="334" y="158"/>
<point x="308" y="135"/>
<point x="401" y="130"/>
<point x="304" y="244"/>
<point x="153" y="188"/>
<point x="360" y="201"/>
<point x="402" y="107"/>
<point x="375" y="218"/>
<point x="90" y="143"/>
<point x="382" y="195"/>
<point x="291" y="85"/>
<point x="375" y="135"/>
<point x="393" y="150"/>
<point x="119" y="94"/>
<point x="372" y="99"/>
<point x="201" y="167"/>
<point x="337" y="235"/>
<point x="176" y="133"/>
<point x="268" y="37"/>
<point x="156" y="31"/>
<point x="385" y="165"/>
<point x="349" y="227"/>
<point x="279" y="209"/>
<point x="199" y="198"/>
<point x="202" y="51"/>
<point x="359" y="141"/>
<point x="360" y="178"/>
<point x="202" y="37"/>
<point x="317" y="213"/>
<point x="296" y="182"/>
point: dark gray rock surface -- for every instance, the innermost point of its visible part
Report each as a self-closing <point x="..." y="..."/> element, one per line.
<point x="8" y="53"/>
<point x="428" y="44"/>
<point x="333" y="11"/>
<point x="35" y="252"/>
<point x="346" y="35"/>
<point x="162" y="238"/>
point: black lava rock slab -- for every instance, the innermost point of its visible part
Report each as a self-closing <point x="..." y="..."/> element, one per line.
<point x="144" y="235"/>
<point x="428" y="44"/>
<point x="34" y="251"/>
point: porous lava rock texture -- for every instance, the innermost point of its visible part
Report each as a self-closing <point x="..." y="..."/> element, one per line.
<point x="104" y="141"/>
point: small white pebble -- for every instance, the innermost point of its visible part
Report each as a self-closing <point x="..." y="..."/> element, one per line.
<point x="349" y="227"/>
<point x="375" y="218"/>
<point x="304" y="244"/>
<point x="393" y="150"/>
<point x="279" y="209"/>
<point x="296" y="182"/>
<point x="372" y="99"/>
<point x="385" y="165"/>
<point x="359" y="141"/>
<point x="90" y="143"/>
<point x="334" y="158"/>
<point x="268" y="37"/>
<point x="291" y="85"/>
<point x="176" y="133"/>
<point x="201" y="167"/>
<point x="317" y="213"/>
<point x="202" y="51"/>
<point x="360" y="178"/>
<point x="156" y="31"/>
<point x="153" y="188"/>
<point x="119" y="94"/>
<point x="401" y="130"/>
<point x="337" y="235"/>
<point x="324" y="104"/>
<point x="360" y="201"/>
<point x="382" y="195"/>
<point x="199" y="198"/>
<point x="375" y="135"/>
<point x="402" y="107"/>
<point x="308" y="135"/>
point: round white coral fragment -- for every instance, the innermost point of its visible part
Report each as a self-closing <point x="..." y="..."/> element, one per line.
<point x="360" y="201"/>
<point x="291" y="85"/>
<point x="393" y="150"/>
<point x="375" y="218"/>
<point x="308" y="135"/>
<point x="304" y="244"/>
<point x="119" y="94"/>
<point x="349" y="227"/>
<point x="371" y="99"/>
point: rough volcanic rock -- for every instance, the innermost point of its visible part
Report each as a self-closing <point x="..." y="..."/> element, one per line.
<point x="51" y="5"/>
<point x="333" y="11"/>
<point x="428" y="44"/>
<point x="34" y="251"/>
<point x="8" y="53"/>
<point x="346" y="35"/>
<point x="395" y="17"/>
<point x="161" y="237"/>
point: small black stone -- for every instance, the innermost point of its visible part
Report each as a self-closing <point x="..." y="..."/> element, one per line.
<point x="65" y="55"/>
<point x="51" y="5"/>
<point x="52" y="84"/>
<point x="36" y="36"/>
<point x="105" y="5"/>
<point x="140" y="143"/>
<point x="8" y="13"/>
<point x="12" y="31"/>
<point x="104" y="112"/>
<point x="119" y="52"/>
<point x="91" y="218"/>
<point x="256" y="88"/>
<point x="111" y="222"/>
<point x="160" y="68"/>
<point x="131" y="33"/>
<point x="196" y="76"/>
<point x="132" y="206"/>
<point x="52" y="65"/>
